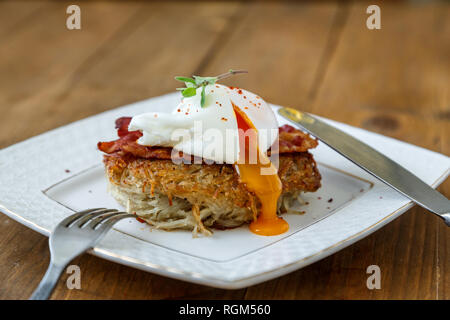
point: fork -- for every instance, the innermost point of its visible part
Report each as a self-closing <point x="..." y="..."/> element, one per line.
<point x="71" y="237"/>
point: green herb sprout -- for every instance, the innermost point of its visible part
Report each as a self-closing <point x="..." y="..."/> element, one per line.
<point x="192" y="84"/>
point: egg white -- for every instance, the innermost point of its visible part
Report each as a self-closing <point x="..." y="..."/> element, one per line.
<point x="209" y="132"/>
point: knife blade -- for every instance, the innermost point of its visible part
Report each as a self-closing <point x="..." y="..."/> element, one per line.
<point x="372" y="161"/>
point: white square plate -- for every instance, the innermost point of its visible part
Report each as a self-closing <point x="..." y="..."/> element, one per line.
<point x="46" y="178"/>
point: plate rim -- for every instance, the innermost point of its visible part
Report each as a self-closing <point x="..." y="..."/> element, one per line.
<point x="243" y="282"/>
<point x="226" y="283"/>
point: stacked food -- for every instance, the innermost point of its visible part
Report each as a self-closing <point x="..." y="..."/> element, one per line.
<point x="217" y="160"/>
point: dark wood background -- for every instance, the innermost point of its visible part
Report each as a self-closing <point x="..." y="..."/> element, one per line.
<point x="315" y="56"/>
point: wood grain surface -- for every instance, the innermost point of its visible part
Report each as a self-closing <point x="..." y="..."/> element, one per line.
<point x="315" y="56"/>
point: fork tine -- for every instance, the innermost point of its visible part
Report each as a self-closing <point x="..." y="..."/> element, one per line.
<point x="108" y="223"/>
<point x="72" y="218"/>
<point x="87" y="217"/>
<point x="92" y="223"/>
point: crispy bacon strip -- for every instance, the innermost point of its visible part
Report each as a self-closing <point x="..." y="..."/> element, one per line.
<point x="290" y="140"/>
<point x="294" y="140"/>
<point x="122" y="127"/>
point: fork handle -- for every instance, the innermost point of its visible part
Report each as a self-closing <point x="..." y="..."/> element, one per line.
<point x="48" y="282"/>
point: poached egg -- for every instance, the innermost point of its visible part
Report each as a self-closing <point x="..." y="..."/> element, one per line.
<point x="232" y="125"/>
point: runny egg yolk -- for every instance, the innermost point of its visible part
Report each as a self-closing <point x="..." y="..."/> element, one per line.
<point x="266" y="187"/>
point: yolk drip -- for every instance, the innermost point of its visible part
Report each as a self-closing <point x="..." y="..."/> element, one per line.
<point x="266" y="187"/>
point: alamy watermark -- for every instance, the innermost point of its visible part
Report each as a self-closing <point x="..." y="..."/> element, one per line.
<point x="374" y="20"/>
<point x="374" y="280"/>
<point x="74" y="280"/>
<point x="230" y="146"/>
<point x="73" y="21"/>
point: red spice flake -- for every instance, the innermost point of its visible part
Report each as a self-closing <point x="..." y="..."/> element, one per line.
<point x="220" y="104"/>
<point x="231" y="88"/>
<point x="319" y="198"/>
<point x="257" y="97"/>
<point x="155" y="115"/>
<point x="217" y="86"/>
<point x="140" y="220"/>
<point x="224" y="119"/>
<point x="240" y="91"/>
<point x="179" y="110"/>
<point x="306" y="203"/>
<point x="187" y="113"/>
<point x="245" y="97"/>
<point x="330" y="200"/>
<point x="67" y="171"/>
<point x="259" y="103"/>
<point x="245" y="107"/>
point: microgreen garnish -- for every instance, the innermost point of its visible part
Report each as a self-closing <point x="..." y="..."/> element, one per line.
<point x="189" y="92"/>
<point x="192" y="84"/>
<point x="202" y="100"/>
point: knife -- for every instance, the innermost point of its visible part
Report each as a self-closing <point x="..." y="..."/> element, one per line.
<point x="372" y="161"/>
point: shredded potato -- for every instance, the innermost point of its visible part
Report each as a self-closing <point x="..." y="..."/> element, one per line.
<point x="200" y="197"/>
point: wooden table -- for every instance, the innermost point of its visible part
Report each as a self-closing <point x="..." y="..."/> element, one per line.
<point x="315" y="56"/>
